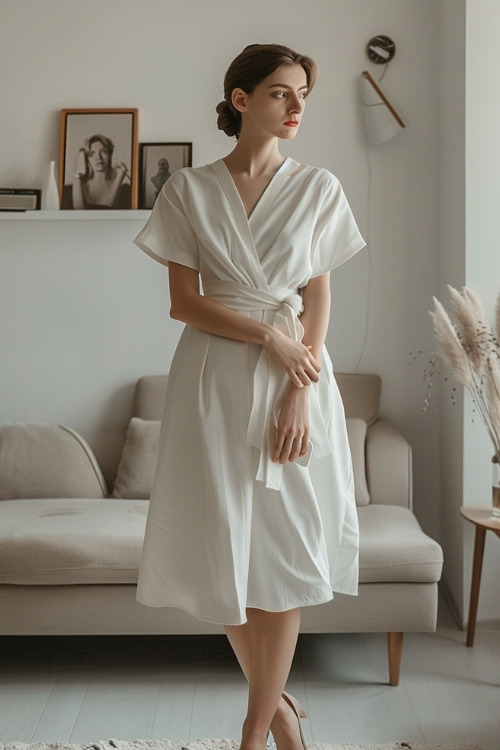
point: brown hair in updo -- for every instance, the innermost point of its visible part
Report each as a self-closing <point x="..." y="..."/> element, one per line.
<point x="251" y="67"/>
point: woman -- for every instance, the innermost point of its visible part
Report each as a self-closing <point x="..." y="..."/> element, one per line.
<point x="252" y="512"/>
<point x="96" y="182"/>
<point x="161" y="176"/>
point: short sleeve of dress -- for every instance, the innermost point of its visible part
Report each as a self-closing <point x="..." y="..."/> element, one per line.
<point x="168" y="234"/>
<point x="336" y="237"/>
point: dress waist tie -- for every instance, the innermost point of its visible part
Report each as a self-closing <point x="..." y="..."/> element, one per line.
<point x="269" y="380"/>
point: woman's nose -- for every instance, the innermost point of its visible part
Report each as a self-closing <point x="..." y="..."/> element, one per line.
<point x="296" y="104"/>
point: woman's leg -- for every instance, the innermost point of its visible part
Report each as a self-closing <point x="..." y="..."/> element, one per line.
<point x="264" y="647"/>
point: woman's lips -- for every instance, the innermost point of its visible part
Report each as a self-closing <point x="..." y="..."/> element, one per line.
<point x="292" y="123"/>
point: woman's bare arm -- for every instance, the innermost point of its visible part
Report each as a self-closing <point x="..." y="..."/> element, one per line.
<point x="292" y="435"/>
<point x="316" y="316"/>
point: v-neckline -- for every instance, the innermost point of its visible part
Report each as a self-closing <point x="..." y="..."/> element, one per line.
<point x="265" y="197"/>
<point x="242" y="221"/>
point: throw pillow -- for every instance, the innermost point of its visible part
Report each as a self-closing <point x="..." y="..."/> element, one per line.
<point x="356" y="432"/>
<point x="136" y="469"/>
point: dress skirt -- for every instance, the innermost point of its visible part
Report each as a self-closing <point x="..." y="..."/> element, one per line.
<point x="218" y="540"/>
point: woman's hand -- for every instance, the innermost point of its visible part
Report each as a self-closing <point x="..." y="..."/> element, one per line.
<point x="81" y="160"/>
<point x="120" y="170"/>
<point x="191" y="307"/>
<point x="292" y="434"/>
<point x="295" y="358"/>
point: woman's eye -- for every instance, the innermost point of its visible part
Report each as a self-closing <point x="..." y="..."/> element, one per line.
<point x="280" y="94"/>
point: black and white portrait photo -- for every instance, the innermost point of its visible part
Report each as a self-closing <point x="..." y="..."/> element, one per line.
<point x="157" y="161"/>
<point x="99" y="158"/>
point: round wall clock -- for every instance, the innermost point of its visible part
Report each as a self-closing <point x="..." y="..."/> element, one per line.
<point x="381" y="49"/>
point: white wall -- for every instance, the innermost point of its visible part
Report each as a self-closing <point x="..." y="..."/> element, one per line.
<point x="452" y="271"/>
<point x="482" y="270"/>
<point x="83" y="313"/>
<point x="470" y="224"/>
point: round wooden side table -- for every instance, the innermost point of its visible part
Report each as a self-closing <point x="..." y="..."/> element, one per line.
<point x="483" y="519"/>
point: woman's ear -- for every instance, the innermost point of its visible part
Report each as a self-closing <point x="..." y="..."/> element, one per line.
<point x="239" y="99"/>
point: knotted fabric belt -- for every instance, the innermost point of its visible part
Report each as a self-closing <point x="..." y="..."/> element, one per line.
<point x="269" y="381"/>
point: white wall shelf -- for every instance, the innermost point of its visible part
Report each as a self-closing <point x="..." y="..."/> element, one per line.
<point x="113" y="215"/>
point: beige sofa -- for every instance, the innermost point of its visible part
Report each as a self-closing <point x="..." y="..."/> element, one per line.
<point x="70" y="550"/>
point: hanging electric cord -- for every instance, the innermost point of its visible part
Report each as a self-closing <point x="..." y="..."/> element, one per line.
<point x="369" y="275"/>
<point x="378" y="131"/>
<point x="386" y="68"/>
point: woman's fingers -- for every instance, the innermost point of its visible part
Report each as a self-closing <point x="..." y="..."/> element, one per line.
<point x="292" y="450"/>
<point x="296" y="380"/>
<point x="311" y="368"/>
<point x="288" y="448"/>
<point x="295" y="449"/>
<point x="292" y="429"/>
<point x="301" y="377"/>
<point x="296" y="359"/>
<point x="306" y="372"/>
<point x="282" y="449"/>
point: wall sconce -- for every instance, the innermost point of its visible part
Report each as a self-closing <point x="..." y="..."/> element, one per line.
<point x="382" y="121"/>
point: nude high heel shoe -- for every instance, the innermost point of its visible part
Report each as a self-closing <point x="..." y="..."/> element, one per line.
<point x="299" y="713"/>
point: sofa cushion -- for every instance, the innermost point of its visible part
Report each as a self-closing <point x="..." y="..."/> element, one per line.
<point x="86" y="541"/>
<point x="394" y="548"/>
<point x="356" y="432"/>
<point x="136" y="469"/>
<point x="71" y="541"/>
<point x="44" y="460"/>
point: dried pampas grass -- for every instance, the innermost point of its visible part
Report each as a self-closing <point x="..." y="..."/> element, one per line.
<point x="450" y="347"/>
<point x="471" y="349"/>
<point x="471" y="329"/>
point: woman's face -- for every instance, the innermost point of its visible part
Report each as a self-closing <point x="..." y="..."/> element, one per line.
<point x="99" y="157"/>
<point x="277" y="104"/>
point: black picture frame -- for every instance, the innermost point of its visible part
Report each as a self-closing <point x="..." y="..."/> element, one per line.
<point x="151" y="175"/>
<point x="82" y="131"/>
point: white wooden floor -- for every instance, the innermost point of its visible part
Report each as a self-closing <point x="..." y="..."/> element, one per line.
<point x="86" y="689"/>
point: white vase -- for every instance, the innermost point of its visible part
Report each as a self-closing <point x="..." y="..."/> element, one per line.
<point x="496" y="487"/>
<point x="50" y="191"/>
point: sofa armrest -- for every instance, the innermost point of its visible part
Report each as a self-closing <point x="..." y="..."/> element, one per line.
<point x="388" y="465"/>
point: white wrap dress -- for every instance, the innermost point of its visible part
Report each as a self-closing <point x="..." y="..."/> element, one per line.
<point x="228" y="528"/>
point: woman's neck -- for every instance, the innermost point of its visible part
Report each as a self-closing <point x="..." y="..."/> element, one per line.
<point x="101" y="178"/>
<point x="254" y="159"/>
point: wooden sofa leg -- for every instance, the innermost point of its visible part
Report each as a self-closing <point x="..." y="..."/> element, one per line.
<point x="395" y="651"/>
